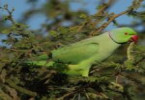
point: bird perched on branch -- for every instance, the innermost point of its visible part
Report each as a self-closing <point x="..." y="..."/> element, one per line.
<point x="81" y="55"/>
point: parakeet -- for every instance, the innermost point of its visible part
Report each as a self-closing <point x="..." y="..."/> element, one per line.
<point x="80" y="56"/>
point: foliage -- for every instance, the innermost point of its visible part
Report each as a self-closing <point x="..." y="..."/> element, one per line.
<point x="120" y="77"/>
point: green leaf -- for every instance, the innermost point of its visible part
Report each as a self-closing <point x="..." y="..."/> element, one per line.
<point x="53" y="33"/>
<point x="6" y="31"/>
<point x="83" y="16"/>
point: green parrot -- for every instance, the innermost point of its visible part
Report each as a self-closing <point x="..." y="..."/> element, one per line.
<point x="81" y="55"/>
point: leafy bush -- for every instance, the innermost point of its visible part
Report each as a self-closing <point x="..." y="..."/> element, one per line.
<point x="119" y="77"/>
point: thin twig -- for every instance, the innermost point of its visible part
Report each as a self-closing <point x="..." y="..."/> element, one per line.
<point x="107" y="23"/>
<point x="20" y="89"/>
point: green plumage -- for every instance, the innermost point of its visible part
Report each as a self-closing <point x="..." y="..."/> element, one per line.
<point x="81" y="55"/>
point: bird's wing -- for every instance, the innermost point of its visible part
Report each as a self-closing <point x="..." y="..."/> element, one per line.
<point x="76" y="53"/>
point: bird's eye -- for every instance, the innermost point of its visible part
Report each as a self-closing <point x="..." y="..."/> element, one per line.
<point x="126" y="33"/>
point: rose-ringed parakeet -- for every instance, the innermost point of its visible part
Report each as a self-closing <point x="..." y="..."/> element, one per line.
<point x="81" y="55"/>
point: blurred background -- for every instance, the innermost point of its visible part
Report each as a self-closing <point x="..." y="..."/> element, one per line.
<point x="40" y="13"/>
<point x="89" y="6"/>
<point x="30" y="28"/>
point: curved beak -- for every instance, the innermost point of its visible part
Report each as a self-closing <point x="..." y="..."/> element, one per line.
<point x="135" y="38"/>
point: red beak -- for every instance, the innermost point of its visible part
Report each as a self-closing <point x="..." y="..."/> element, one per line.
<point x="134" y="38"/>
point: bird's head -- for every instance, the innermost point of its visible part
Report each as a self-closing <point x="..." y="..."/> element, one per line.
<point x="123" y="35"/>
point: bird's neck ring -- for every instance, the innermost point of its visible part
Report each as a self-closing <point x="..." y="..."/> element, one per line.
<point x="110" y="35"/>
